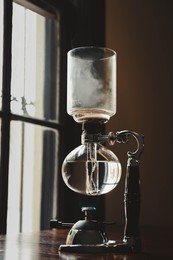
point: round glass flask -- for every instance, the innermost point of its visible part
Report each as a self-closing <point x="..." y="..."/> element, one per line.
<point x="91" y="84"/>
<point x="91" y="169"/>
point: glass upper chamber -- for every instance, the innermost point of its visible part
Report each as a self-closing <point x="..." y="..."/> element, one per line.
<point x="91" y="84"/>
<point x="91" y="169"/>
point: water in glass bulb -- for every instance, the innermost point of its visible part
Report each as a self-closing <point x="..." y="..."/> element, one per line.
<point x="91" y="169"/>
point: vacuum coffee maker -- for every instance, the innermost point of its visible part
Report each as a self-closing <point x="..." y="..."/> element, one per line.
<point x="91" y="168"/>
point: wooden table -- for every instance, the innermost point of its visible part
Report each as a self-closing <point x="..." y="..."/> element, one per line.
<point x="157" y="244"/>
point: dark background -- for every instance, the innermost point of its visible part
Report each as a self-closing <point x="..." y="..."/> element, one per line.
<point x="141" y="32"/>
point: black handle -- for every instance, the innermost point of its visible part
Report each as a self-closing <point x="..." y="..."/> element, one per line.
<point x="132" y="200"/>
<point x="132" y="205"/>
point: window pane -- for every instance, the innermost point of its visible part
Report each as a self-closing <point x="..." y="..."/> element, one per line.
<point x="32" y="177"/>
<point x="34" y="51"/>
<point x="0" y="138"/>
<point x="1" y="49"/>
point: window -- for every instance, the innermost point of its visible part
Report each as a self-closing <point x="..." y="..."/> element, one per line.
<point x="1" y="49"/>
<point x="36" y="133"/>
<point x="30" y="116"/>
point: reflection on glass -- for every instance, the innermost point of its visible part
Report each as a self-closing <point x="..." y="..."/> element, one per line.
<point x="1" y="48"/>
<point x="31" y="92"/>
<point x="33" y="155"/>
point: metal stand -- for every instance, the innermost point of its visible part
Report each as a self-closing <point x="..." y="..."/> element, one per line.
<point x="88" y="236"/>
<point x="132" y="191"/>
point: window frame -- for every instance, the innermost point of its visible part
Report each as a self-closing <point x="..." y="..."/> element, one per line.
<point x="5" y="114"/>
<point x="82" y="23"/>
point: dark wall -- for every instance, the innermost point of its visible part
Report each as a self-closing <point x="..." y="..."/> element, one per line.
<point x="141" y="32"/>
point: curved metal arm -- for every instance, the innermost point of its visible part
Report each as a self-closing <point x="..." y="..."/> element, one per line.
<point x="123" y="137"/>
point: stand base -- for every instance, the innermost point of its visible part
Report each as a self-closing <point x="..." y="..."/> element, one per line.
<point x="110" y="246"/>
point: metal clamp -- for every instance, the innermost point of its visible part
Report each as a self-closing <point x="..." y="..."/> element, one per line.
<point x="119" y="137"/>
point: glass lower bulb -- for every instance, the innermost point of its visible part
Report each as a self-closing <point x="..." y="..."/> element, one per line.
<point x="91" y="169"/>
